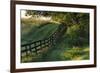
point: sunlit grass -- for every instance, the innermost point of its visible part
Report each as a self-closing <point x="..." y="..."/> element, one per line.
<point x="76" y="53"/>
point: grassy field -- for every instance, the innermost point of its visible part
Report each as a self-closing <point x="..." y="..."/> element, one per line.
<point x="61" y="51"/>
<point x="33" y="32"/>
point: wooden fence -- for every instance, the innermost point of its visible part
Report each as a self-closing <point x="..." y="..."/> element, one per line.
<point x="34" y="47"/>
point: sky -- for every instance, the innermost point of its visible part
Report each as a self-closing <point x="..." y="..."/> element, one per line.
<point x="41" y="18"/>
<point x="23" y="13"/>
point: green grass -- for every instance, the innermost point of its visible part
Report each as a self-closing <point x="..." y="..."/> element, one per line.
<point x="76" y="53"/>
<point x="61" y="52"/>
<point x="33" y="33"/>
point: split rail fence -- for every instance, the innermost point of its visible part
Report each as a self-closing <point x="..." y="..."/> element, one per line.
<point x="36" y="46"/>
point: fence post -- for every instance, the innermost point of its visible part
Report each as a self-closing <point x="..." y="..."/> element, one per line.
<point x="35" y="48"/>
<point x="30" y="48"/>
<point x="26" y="50"/>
